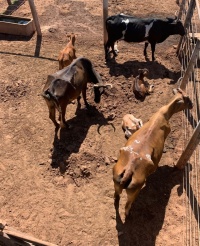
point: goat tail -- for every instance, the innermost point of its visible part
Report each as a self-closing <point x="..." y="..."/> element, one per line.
<point x="50" y="97"/>
<point x="125" y="178"/>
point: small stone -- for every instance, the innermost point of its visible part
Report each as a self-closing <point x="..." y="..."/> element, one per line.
<point x="107" y="160"/>
<point x="114" y="159"/>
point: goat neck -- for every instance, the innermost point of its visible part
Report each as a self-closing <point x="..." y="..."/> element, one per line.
<point x="173" y="107"/>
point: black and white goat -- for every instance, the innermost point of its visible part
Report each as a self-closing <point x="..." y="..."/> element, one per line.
<point x="132" y="29"/>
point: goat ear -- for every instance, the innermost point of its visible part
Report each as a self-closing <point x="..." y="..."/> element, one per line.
<point x="175" y="91"/>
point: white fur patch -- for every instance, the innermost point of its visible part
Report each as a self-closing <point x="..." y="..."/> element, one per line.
<point x="129" y="149"/>
<point x="137" y="141"/>
<point x="147" y="29"/>
<point x="125" y="21"/>
<point x="116" y="48"/>
<point x="124" y="32"/>
<point x="148" y="156"/>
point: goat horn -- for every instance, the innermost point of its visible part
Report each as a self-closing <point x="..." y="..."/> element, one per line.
<point x="176" y="16"/>
<point x="175" y="91"/>
<point x="102" y="85"/>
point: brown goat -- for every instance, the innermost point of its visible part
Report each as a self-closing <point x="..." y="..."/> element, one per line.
<point x="66" y="85"/>
<point x="142" y="153"/>
<point x="140" y="87"/>
<point x="67" y="55"/>
<point x="130" y="124"/>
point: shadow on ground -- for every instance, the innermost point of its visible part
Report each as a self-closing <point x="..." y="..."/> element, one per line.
<point x="130" y="68"/>
<point x="69" y="140"/>
<point x="148" y="212"/>
<point x="13" y="6"/>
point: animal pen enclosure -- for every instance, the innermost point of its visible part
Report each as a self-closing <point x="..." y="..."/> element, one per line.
<point x="189" y="61"/>
<point x="189" y="54"/>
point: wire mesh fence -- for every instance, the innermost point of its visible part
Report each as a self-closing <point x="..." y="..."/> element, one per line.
<point x="189" y="54"/>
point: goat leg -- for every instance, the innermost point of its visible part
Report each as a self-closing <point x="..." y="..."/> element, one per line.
<point x="145" y="48"/>
<point x="153" y="47"/>
<point x="84" y="97"/>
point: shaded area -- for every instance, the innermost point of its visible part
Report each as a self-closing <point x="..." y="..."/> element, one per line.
<point x="195" y="207"/>
<point x="69" y="140"/>
<point x="190" y="118"/>
<point x="149" y="209"/>
<point x="12" y="38"/>
<point x="13" y="6"/>
<point x="33" y="56"/>
<point x="130" y="68"/>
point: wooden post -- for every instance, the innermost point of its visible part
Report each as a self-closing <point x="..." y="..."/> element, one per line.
<point x="191" y="146"/>
<point x="35" y="17"/>
<point x="9" y="231"/>
<point x="105" y="15"/>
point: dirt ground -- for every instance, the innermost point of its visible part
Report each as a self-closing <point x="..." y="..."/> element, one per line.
<point x="58" y="186"/>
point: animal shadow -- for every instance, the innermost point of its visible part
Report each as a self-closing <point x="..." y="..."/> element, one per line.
<point x="13" y="7"/>
<point x="147" y="214"/>
<point x="130" y="68"/>
<point x="12" y="38"/>
<point x="69" y="140"/>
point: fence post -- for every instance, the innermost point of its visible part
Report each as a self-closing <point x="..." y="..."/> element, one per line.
<point x="105" y="15"/>
<point x="191" y="146"/>
<point x="35" y="17"/>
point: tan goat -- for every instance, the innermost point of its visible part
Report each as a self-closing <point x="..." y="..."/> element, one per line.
<point x="143" y="150"/>
<point x="68" y="54"/>
<point x="130" y="124"/>
<point x="140" y="87"/>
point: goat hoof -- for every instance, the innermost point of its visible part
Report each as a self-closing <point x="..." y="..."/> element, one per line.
<point x="87" y="107"/>
<point x="65" y="125"/>
<point x="56" y="126"/>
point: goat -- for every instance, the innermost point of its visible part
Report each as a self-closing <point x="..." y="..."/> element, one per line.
<point x="68" y="54"/>
<point x="66" y="85"/>
<point x="140" y="87"/>
<point x="133" y="29"/>
<point x="130" y="124"/>
<point x="141" y="155"/>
